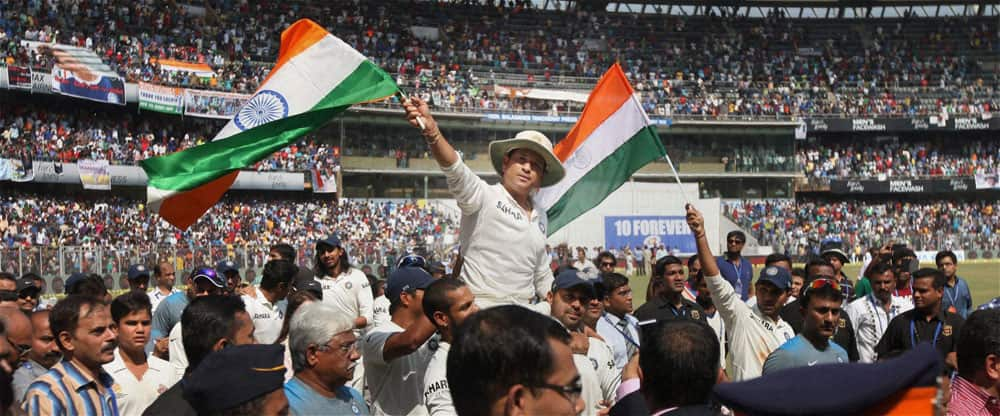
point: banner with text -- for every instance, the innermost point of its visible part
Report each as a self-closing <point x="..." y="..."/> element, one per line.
<point x="161" y="99"/>
<point x="95" y="174"/>
<point x="971" y="122"/>
<point x="211" y="104"/>
<point x="987" y="181"/>
<point x="902" y="186"/>
<point x="636" y="231"/>
<point x="19" y="78"/>
<point x="80" y="72"/>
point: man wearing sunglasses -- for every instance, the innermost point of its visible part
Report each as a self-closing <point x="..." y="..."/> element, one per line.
<point x="734" y="268"/>
<point x="820" y="303"/>
<point x="27" y="294"/>
<point x="753" y="332"/>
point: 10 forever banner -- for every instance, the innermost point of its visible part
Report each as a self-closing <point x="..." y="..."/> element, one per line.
<point x="649" y="231"/>
<point x="902" y="186"/>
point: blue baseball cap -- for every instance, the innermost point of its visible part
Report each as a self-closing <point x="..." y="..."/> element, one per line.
<point x="333" y="240"/>
<point x="73" y="280"/>
<point x="571" y="278"/>
<point x="776" y="275"/>
<point x="136" y="271"/>
<point x="406" y="279"/>
<point x="226" y="266"/>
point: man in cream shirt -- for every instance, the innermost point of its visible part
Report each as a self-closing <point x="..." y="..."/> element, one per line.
<point x="501" y="224"/>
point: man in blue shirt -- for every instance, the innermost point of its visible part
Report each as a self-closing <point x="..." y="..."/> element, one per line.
<point x="821" y="306"/>
<point x="957" y="296"/>
<point x="324" y="354"/>
<point x="734" y="268"/>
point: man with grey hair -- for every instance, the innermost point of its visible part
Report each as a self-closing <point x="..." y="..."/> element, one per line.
<point x="324" y="354"/>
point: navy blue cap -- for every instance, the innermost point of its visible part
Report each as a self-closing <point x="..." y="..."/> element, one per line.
<point x="73" y="280"/>
<point x="333" y="240"/>
<point x="26" y="283"/>
<point x="570" y="278"/>
<point x="860" y="387"/>
<point x="406" y="279"/>
<point x="136" y="271"/>
<point x="310" y="285"/>
<point x="776" y="275"/>
<point x="235" y="375"/>
<point x="226" y="266"/>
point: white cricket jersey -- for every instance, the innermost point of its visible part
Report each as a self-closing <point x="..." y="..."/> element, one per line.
<point x="592" y="394"/>
<point x="603" y="358"/>
<point x="381" y="310"/>
<point x="752" y="336"/>
<point x="437" y="395"/>
<point x="870" y="321"/>
<point x="178" y="357"/>
<point x="719" y="327"/>
<point x="502" y="247"/>
<point x="133" y="395"/>
<point x="396" y="387"/>
<point x="350" y="292"/>
<point x="155" y="297"/>
<point x="267" y="317"/>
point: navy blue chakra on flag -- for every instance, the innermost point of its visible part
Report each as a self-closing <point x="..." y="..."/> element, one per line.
<point x="263" y="108"/>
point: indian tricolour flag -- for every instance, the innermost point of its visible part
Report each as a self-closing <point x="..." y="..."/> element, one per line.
<point x="316" y="77"/>
<point x="611" y="141"/>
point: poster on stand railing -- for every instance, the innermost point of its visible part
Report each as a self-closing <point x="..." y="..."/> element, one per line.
<point x="95" y="174"/>
<point x="80" y="72"/>
<point x="211" y="104"/>
<point x="18" y="78"/>
<point x="161" y="99"/>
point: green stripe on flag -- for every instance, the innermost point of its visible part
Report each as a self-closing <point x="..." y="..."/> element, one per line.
<point x="191" y="168"/>
<point x="604" y="178"/>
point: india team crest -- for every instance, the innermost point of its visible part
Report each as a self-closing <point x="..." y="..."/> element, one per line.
<point x="946" y="330"/>
<point x="265" y="107"/>
<point x="695" y="315"/>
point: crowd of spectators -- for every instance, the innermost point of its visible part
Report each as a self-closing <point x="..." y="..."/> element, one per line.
<point x="859" y="157"/>
<point x="55" y="130"/>
<point x="240" y="228"/>
<point x="701" y="65"/>
<point x="797" y="227"/>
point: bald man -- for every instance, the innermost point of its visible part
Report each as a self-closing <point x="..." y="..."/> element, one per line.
<point x="19" y="333"/>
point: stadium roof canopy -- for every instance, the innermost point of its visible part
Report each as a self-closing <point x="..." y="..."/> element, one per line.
<point x="815" y="9"/>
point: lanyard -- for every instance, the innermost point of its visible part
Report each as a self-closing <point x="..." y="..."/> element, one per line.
<point x="914" y="338"/>
<point x="878" y="317"/>
<point x="619" y="329"/>
<point x="954" y="294"/>
<point x="739" y="278"/>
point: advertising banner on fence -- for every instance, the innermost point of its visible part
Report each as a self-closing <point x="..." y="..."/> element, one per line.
<point x="95" y="174"/>
<point x="18" y="78"/>
<point x="902" y="186"/>
<point x="79" y="72"/>
<point x="987" y="181"/>
<point x="275" y="181"/>
<point x="161" y="99"/>
<point x="212" y="104"/>
<point x="671" y="232"/>
<point x="981" y="122"/>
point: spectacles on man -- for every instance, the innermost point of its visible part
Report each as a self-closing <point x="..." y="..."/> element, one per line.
<point x="570" y="391"/>
<point x="607" y="265"/>
<point x="734" y="241"/>
<point x="22" y="349"/>
<point x="344" y="348"/>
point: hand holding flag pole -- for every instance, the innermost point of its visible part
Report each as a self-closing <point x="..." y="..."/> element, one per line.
<point x="420" y="120"/>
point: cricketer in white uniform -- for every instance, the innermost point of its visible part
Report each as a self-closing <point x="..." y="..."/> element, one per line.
<point x="503" y="229"/>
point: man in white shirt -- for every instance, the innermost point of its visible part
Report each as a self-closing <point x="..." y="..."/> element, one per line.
<point x="753" y="332"/>
<point x="267" y="306"/>
<point x="595" y="360"/>
<point x="617" y="325"/>
<point x="163" y="273"/>
<point x="344" y="287"/>
<point x="397" y="353"/>
<point x="139" y="379"/>
<point x="501" y="224"/>
<point x="872" y="313"/>
<point x="447" y="302"/>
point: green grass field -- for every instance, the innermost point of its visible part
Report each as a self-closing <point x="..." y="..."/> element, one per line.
<point x="983" y="278"/>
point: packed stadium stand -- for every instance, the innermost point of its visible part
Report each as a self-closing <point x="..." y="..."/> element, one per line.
<point x="799" y="122"/>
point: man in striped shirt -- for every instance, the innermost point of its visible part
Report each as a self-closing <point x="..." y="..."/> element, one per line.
<point x="976" y="389"/>
<point x="78" y="384"/>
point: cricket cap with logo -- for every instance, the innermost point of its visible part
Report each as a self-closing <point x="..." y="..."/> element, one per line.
<point x="406" y="279"/>
<point x="136" y="271"/>
<point x="27" y="285"/>
<point x="571" y="278"/>
<point x="777" y="276"/>
<point x="226" y="266"/>
<point x="235" y="375"/>
<point x="535" y="142"/>
<point x="834" y="248"/>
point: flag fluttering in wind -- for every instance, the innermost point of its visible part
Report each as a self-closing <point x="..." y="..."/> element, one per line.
<point x="611" y="141"/>
<point x="316" y="77"/>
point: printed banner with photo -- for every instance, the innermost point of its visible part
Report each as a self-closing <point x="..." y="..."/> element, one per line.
<point x="212" y="104"/>
<point x="161" y="99"/>
<point x="16" y="170"/>
<point x="18" y="78"/>
<point x="79" y="72"/>
<point x="324" y="181"/>
<point x="95" y="174"/>
<point x="987" y="181"/>
<point x="198" y="69"/>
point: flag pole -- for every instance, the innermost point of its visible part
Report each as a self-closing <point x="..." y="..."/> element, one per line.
<point x="677" y="177"/>
<point x="420" y="120"/>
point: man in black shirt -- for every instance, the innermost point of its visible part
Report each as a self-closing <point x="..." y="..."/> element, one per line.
<point x="671" y="304"/>
<point x="792" y="313"/>
<point x="927" y="322"/>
